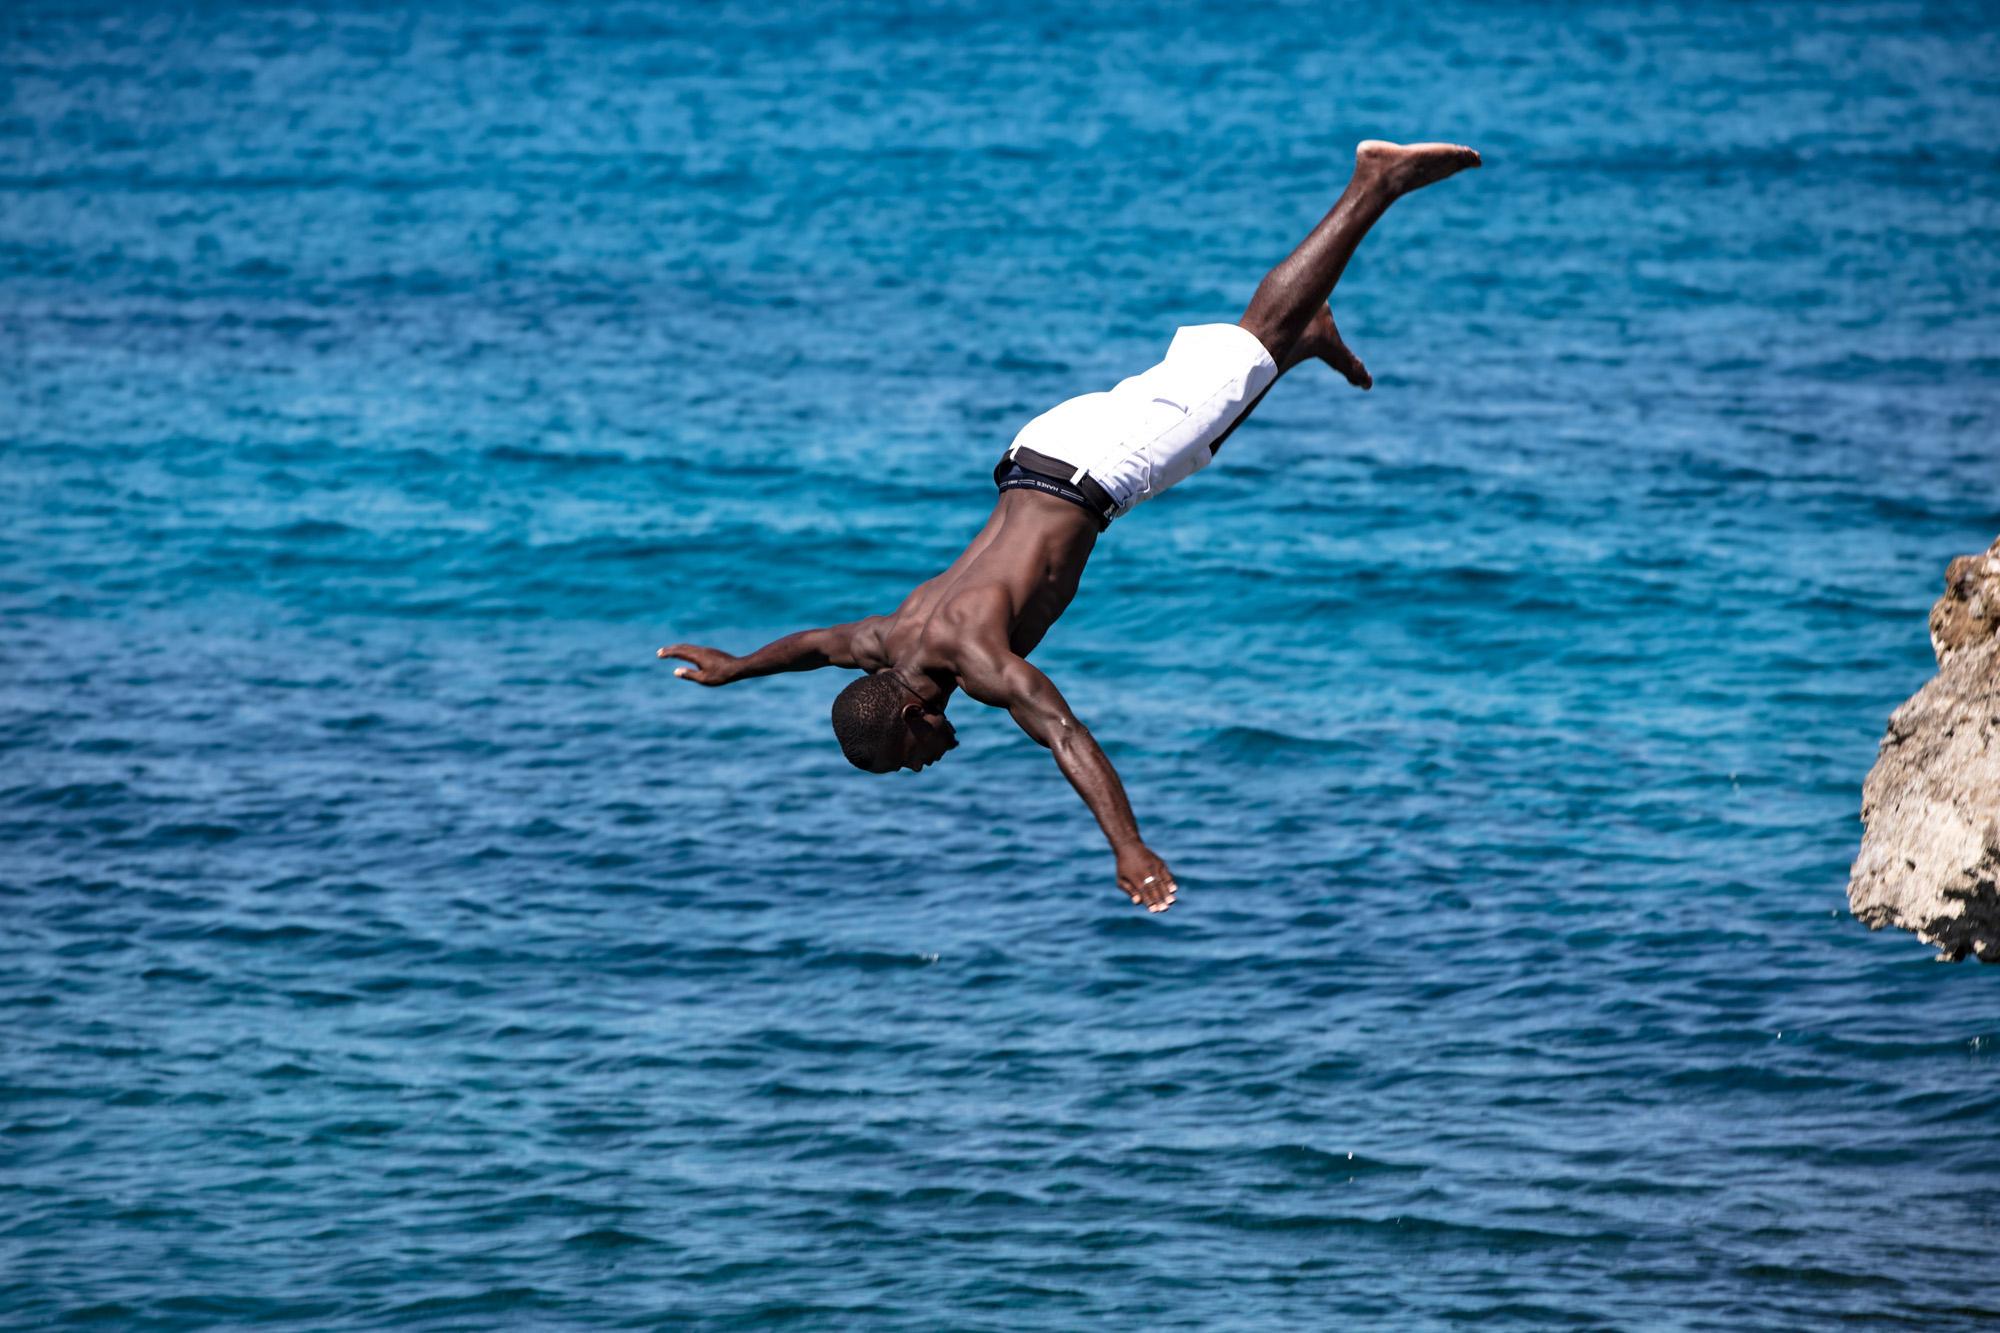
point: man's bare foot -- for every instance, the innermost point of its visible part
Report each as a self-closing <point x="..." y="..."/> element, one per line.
<point x="1322" y="341"/>
<point x="1403" y="167"/>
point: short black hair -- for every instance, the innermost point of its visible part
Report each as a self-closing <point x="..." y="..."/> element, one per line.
<point x="865" y="715"/>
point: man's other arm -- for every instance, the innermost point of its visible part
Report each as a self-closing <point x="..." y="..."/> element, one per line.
<point x="852" y="645"/>
<point x="1004" y="680"/>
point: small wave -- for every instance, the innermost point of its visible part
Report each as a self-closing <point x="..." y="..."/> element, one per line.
<point x="1247" y="1219"/>
<point x="207" y="834"/>
<point x="496" y="1300"/>
<point x="287" y="1069"/>
<point x="1260" y="742"/>
<point x="74" y="796"/>
<point x="187" y="975"/>
<point x="310" y="529"/>
<point x="1814" y="1276"/>
<point x="786" y="1090"/>
<point x="1753" y="1078"/>
<point x="230" y="932"/>
<point x="869" y="960"/>
<point x="1016" y="364"/>
<point x="1303" y="1159"/>
<point x="607" y="1238"/>
<point x="260" y="269"/>
<point x="354" y="1129"/>
<point x="106" y="1312"/>
<point x="321" y="999"/>
<point x="515" y="453"/>
<point x="105" y="745"/>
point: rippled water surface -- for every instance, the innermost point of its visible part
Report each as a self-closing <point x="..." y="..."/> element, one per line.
<point x="392" y="943"/>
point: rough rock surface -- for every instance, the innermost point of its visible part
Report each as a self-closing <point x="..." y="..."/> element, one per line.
<point x="1930" y="855"/>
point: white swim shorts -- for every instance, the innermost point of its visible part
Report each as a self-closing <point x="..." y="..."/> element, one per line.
<point x="1152" y="430"/>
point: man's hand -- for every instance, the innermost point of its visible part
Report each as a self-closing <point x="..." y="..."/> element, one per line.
<point x="1146" y="880"/>
<point x="711" y="666"/>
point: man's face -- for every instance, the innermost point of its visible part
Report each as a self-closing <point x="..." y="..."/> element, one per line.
<point x="924" y="738"/>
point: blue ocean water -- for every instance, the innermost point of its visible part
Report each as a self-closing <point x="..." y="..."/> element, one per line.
<point x="392" y="943"/>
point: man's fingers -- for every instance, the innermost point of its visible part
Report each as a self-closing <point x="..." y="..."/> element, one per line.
<point x="1155" y="890"/>
<point x="1154" y="893"/>
<point x="687" y="652"/>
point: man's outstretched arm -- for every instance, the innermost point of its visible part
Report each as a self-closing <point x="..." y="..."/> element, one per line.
<point x="1005" y="681"/>
<point x="849" y="645"/>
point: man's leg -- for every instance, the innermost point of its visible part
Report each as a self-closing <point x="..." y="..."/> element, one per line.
<point x="1293" y="295"/>
<point x="1289" y="314"/>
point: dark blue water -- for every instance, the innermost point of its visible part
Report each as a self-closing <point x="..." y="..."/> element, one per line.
<point x="392" y="943"/>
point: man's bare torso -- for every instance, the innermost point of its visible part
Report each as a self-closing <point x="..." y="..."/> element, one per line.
<point x="1012" y="581"/>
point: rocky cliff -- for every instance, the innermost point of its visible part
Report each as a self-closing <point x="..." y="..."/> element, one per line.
<point x="1930" y="853"/>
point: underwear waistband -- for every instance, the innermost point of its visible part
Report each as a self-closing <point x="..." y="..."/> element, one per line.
<point x="1025" y="469"/>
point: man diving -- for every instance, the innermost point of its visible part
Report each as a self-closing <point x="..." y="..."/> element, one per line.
<point x="1067" y="475"/>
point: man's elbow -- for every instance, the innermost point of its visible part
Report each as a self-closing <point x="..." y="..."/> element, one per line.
<point x="1069" y="738"/>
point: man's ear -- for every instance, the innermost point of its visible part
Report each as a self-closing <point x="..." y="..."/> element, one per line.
<point x="913" y="712"/>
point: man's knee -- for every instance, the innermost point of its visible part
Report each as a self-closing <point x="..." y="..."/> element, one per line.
<point x="1276" y="339"/>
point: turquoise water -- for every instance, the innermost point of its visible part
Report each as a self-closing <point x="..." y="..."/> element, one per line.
<point x="393" y="944"/>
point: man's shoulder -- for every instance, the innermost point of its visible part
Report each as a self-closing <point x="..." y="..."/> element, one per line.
<point x="868" y="640"/>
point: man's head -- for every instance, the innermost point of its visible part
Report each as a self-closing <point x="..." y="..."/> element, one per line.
<point x="883" y="726"/>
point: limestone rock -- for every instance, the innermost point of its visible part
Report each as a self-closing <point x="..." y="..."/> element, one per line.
<point x="1930" y="853"/>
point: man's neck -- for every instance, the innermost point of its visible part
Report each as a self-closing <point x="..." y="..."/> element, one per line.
<point x="922" y="687"/>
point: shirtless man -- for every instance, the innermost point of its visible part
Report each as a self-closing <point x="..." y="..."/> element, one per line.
<point x="1068" y="474"/>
